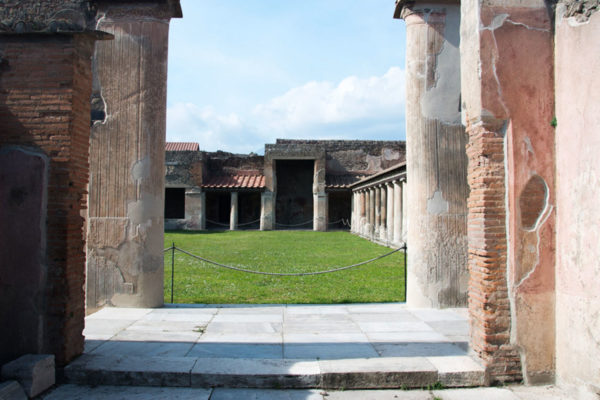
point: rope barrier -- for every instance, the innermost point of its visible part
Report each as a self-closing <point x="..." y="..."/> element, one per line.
<point x="245" y="223"/>
<point x="250" y="223"/>
<point x="216" y="223"/>
<point x="342" y="220"/>
<point x="286" y="274"/>
<point x="167" y="249"/>
<point x="303" y="223"/>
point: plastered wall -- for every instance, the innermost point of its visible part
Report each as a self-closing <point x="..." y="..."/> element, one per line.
<point x="577" y="62"/>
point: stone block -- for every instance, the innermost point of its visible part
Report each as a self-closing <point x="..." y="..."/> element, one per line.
<point x="35" y="372"/>
<point x="80" y="392"/>
<point x="265" y="394"/>
<point x="91" y="369"/>
<point x="255" y="373"/>
<point x="378" y="373"/>
<point x="11" y="390"/>
<point x="458" y="371"/>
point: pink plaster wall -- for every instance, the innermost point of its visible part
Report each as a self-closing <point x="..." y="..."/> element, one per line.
<point x="517" y="87"/>
<point x="578" y="195"/>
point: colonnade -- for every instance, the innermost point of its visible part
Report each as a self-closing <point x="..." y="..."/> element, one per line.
<point x="196" y="211"/>
<point x="378" y="211"/>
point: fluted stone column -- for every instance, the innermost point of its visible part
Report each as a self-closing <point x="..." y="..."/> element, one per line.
<point x="352" y="211"/>
<point x="377" y="227"/>
<point x="389" y="187"/>
<point x="371" y="226"/>
<point x="355" y="212"/>
<point x="127" y="156"/>
<point x="233" y="213"/>
<point x="436" y="157"/>
<point x="399" y="217"/>
<point x="383" y="212"/>
<point x="363" y="212"/>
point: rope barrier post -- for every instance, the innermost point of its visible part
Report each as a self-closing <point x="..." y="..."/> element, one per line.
<point x="172" y="269"/>
<point x="405" y="255"/>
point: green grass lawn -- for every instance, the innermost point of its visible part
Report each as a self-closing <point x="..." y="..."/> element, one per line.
<point x="281" y="251"/>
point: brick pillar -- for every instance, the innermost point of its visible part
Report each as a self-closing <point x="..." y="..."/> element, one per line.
<point x="126" y="191"/>
<point x="45" y="86"/>
<point x="436" y="162"/>
<point x="233" y="214"/>
<point x="489" y="306"/>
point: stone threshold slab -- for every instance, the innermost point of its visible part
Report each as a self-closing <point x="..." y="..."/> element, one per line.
<point x="360" y="373"/>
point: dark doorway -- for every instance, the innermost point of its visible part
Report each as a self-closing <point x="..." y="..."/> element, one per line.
<point x="218" y="207"/>
<point x="339" y="209"/>
<point x="249" y="210"/>
<point x="175" y="203"/>
<point x="294" y="206"/>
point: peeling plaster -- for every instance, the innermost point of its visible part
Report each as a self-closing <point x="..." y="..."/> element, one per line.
<point x="141" y="169"/>
<point x="536" y="231"/>
<point x="437" y="205"/>
<point x="440" y="101"/>
<point x="530" y="150"/>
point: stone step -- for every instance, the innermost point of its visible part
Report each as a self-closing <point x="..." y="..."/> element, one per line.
<point x="363" y="373"/>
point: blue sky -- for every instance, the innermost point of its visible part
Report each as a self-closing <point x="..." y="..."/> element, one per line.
<point x="245" y="72"/>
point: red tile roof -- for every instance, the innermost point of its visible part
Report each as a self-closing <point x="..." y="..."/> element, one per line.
<point x="341" y="181"/>
<point x="182" y="146"/>
<point x="235" y="182"/>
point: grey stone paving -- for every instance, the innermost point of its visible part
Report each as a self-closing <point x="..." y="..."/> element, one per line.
<point x="75" y="392"/>
<point x="285" y="332"/>
<point x="351" y="346"/>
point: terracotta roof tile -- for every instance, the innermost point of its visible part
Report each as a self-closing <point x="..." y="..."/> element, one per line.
<point x="341" y="181"/>
<point x="235" y="182"/>
<point x="182" y="146"/>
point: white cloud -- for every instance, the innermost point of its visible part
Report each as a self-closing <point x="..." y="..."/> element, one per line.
<point x="322" y="103"/>
<point x="356" y="108"/>
<point x="187" y="122"/>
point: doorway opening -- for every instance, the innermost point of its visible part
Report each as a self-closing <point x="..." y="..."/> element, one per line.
<point x="340" y="205"/>
<point x="294" y="203"/>
<point x="217" y="209"/>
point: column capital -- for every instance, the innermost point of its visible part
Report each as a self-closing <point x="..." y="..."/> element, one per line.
<point x="130" y="9"/>
<point x="415" y="12"/>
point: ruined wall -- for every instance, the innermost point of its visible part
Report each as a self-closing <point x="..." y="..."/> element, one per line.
<point x="507" y="91"/>
<point x="223" y="163"/>
<point x="577" y="195"/>
<point x="46" y="16"/>
<point x="360" y="157"/>
<point x="45" y="85"/>
<point x="126" y="199"/>
<point x="184" y="168"/>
